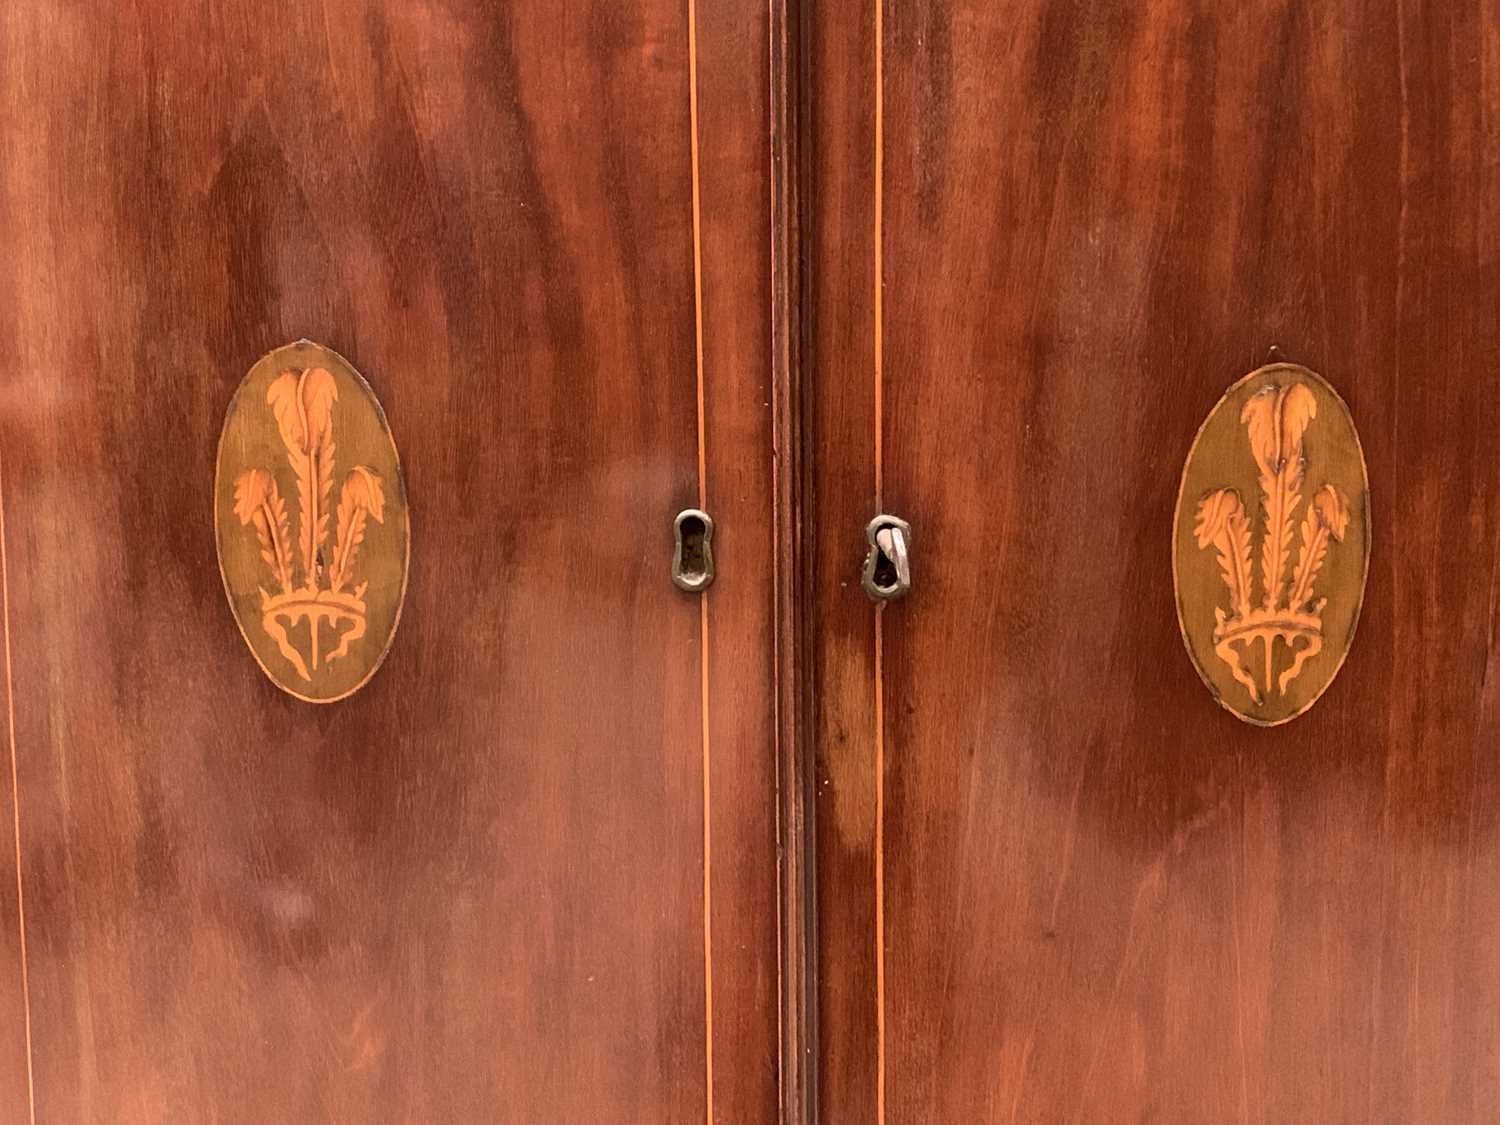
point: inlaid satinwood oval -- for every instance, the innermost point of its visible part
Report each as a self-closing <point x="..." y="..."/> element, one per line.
<point x="311" y="520"/>
<point x="1271" y="544"/>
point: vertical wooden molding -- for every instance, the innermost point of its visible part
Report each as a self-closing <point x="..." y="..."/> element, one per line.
<point x="879" y="458"/>
<point x="797" y="930"/>
<point x="708" y="901"/>
<point x="15" y="799"/>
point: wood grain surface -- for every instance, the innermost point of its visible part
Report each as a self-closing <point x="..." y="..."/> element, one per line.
<point x="734" y="158"/>
<point x="528" y="873"/>
<point x="475" y="891"/>
<point x="1104" y="898"/>
<point x="837" y="382"/>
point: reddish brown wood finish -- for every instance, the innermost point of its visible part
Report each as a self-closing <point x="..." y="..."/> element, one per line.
<point x="473" y="892"/>
<point x="15" y="1001"/>
<point x="1106" y="899"/>
<point x="476" y="892"/>
<point x="734" y="130"/>
<point x="837" y="378"/>
<point x="794" y="619"/>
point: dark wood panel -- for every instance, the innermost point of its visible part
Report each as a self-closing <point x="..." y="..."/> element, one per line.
<point x="794" y="627"/>
<point x="837" y="134"/>
<point x="473" y="891"/>
<point x="1106" y="898"/>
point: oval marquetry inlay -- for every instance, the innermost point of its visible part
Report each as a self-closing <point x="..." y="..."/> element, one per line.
<point x="1272" y="543"/>
<point x="310" y="515"/>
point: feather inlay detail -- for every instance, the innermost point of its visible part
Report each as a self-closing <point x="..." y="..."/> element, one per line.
<point x="310" y="584"/>
<point x="1288" y="610"/>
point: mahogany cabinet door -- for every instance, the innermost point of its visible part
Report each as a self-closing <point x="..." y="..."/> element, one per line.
<point x="1058" y="882"/>
<point x="527" y="872"/>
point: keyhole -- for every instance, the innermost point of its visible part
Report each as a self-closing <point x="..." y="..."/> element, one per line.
<point x="693" y="559"/>
<point x="887" y="572"/>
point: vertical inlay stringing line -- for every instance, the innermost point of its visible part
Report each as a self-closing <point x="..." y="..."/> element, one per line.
<point x="879" y="455"/>
<point x="708" y="942"/>
<point x="15" y="797"/>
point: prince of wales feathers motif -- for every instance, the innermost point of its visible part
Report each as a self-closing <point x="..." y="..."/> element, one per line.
<point x="1276" y="418"/>
<point x="303" y="404"/>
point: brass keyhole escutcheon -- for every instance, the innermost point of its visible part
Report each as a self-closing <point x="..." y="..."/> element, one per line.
<point x="693" y="557"/>
<point x="887" y="573"/>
